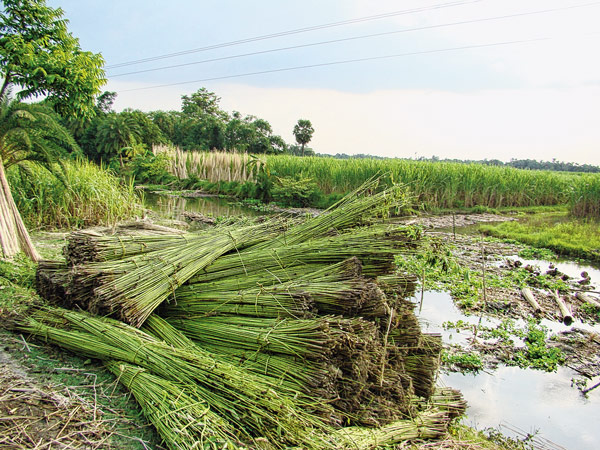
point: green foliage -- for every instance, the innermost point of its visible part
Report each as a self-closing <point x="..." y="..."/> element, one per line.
<point x="40" y="56"/>
<point x="435" y="185"/>
<point x="537" y="253"/>
<point x="114" y="133"/>
<point x="202" y="125"/>
<point x="438" y="269"/>
<point x="464" y="361"/>
<point x="87" y="196"/>
<point x="537" y="354"/>
<point x="20" y="271"/>
<point x="570" y="237"/>
<point x="303" y="132"/>
<point x="150" y="168"/>
<point x="201" y="104"/>
<point x="32" y="132"/>
<point x="17" y="279"/>
<point x="292" y="192"/>
<point x="585" y="197"/>
<point x="591" y="310"/>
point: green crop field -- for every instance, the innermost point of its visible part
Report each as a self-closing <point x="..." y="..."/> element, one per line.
<point x="449" y="185"/>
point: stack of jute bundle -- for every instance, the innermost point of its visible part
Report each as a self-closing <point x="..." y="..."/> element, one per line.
<point x="310" y="311"/>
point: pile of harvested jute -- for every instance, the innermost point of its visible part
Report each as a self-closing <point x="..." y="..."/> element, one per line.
<point x="311" y="314"/>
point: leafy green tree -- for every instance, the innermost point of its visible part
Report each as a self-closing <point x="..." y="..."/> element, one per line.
<point x="202" y="104"/>
<point x="28" y="133"/>
<point x="149" y="132"/>
<point x="303" y="132"/>
<point x="165" y="121"/>
<point x="251" y="134"/>
<point x="116" y="133"/>
<point x="40" y="57"/>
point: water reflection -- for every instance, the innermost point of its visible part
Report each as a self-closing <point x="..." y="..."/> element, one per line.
<point x="529" y="399"/>
<point x="172" y="207"/>
<point x="533" y="401"/>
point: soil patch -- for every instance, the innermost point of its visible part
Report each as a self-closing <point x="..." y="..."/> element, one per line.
<point x="456" y="220"/>
<point x="43" y="416"/>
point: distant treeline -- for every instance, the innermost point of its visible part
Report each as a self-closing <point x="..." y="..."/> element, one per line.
<point x="531" y="164"/>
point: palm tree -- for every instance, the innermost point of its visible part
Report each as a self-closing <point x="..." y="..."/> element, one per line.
<point x="116" y="132"/>
<point x="28" y="133"/>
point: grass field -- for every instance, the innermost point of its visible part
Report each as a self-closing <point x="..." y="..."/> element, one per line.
<point x="556" y="231"/>
<point x="434" y="185"/>
<point x="439" y="185"/>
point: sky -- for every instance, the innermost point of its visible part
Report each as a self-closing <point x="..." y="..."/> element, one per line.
<point x="465" y="79"/>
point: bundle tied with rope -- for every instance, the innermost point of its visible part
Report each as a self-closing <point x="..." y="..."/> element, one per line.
<point x="312" y="310"/>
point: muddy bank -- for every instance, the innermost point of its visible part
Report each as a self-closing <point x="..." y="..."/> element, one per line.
<point x="503" y="328"/>
<point x="457" y="220"/>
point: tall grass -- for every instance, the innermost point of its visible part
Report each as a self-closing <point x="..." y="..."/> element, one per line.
<point x="211" y="166"/>
<point x="565" y="236"/>
<point x="434" y="185"/>
<point x="585" y="196"/>
<point x="88" y="196"/>
<point x="437" y="184"/>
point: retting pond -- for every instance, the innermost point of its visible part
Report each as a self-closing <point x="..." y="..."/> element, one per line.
<point x="511" y="398"/>
<point x="173" y="206"/>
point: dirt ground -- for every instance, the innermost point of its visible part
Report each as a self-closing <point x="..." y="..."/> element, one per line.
<point x="36" y="415"/>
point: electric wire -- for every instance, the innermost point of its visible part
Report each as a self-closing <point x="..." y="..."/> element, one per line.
<point x="347" y="61"/>
<point x="294" y="31"/>
<point x="352" y="38"/>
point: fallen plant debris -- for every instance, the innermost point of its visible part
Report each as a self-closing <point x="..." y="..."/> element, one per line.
<point x="35" y="416"/>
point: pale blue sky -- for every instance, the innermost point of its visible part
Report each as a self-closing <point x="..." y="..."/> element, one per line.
<point x="535" y="99"/>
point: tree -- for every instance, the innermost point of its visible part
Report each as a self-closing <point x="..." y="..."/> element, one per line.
<point x="303" y="132"/>
<point x="41" y="58"/>
<point x="115" y="133"/>
<point x="201" y="104"/>
<point x="28" y="132"/>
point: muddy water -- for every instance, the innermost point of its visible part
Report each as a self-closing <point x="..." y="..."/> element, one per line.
<point x="172" y="207"/>
<point x="527" y="399"/>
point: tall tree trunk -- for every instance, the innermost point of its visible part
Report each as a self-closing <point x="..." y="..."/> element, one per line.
<point x="5" y="85"/>
<point x="13" y="233"/>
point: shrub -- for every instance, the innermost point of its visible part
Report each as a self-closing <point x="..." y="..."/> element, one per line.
<point x="87" y="195"/>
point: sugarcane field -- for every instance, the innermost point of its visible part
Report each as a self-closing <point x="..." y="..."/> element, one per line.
<point x="340" y="225"/>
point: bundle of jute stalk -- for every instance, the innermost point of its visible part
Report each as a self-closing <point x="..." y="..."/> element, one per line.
<point x="248" y="404"/>
<point x="53" y="282"/>
<point x="134" y="286"/>
<point x="178" y="412"/>
<point x="334" y="289"/>
<point x="375" y="247"/>
<point x="310" y="310"/>
<point x="131" y="276"/>
<point x="343" y="359"/>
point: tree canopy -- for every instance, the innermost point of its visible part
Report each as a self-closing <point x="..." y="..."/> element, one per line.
<point x="40" y="57"/>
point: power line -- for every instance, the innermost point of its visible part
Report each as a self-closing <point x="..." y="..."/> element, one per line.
<point x="295" y="31"/>
<point x="463" y="22"/>
<point x="347" y="61"/>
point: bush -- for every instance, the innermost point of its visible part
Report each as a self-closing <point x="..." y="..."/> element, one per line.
<point x="150" y="168"/>
<point x="292" y="192"/>
<point x="87" y="195"/>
